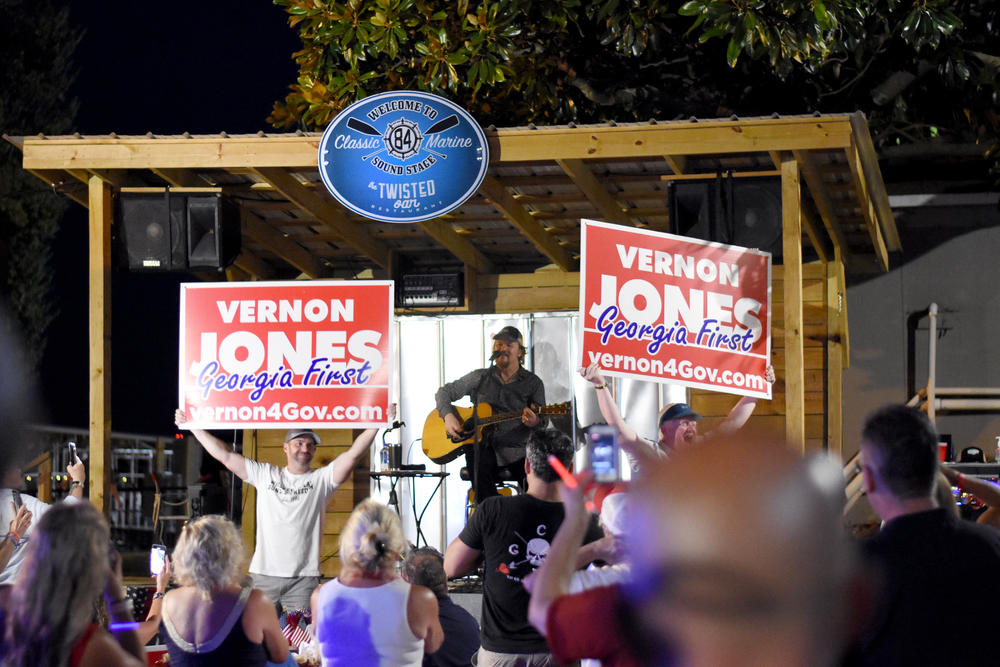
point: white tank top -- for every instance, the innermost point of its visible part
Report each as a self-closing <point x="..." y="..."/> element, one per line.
<point x="366" y="626"/>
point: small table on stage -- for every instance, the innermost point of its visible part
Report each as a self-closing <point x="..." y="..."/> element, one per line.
<point x="394" y="476"/>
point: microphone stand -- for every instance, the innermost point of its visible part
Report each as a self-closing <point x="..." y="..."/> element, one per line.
<point x="476" y="450"/>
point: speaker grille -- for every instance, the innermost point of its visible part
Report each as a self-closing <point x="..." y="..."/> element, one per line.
<point x="177" y="232"/>
<point x="742" y="212"/>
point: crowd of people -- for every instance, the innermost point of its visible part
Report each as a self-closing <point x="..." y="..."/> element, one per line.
<point x="723" y="549"/>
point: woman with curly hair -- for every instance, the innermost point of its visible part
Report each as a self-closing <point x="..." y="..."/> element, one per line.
<point x="211" y="619"/>
<point x="50" y="617"/>
<point x="367" y="615"/>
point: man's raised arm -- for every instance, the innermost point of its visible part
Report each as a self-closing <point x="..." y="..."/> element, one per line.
<point x="744" y="407"/>
<point x="219" y="450"/>
<point x="627" y="437"/>
<point x="346" y="462"/>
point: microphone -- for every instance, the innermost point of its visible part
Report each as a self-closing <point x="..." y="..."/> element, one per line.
<point x="496" y="353"/>
<point x="395" y="425"/>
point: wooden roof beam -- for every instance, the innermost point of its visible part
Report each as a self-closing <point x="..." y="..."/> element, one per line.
<point x="705" y="137"/>
<point x="873" y="177"/>
<point x="442" y="232"/>
<point x="253" y="265"/>
<point x="65" y="183"/>
<point x="677" y="163"/>
<point x="522" y="220"/>
<point x="594" y="190"/>
<point x="235" y="274"/>
<point x="816" y="236"/>
<point x="288" y="250"/>
<point x="814" y="181"/>
<point x="116" y="178"/>
<point x="867" y="206"/>
<point x="180" y="178"/>
<point x="327" y="213"/>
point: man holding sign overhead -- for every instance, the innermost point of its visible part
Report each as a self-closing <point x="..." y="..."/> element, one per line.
<point x="664" y="308"/>
<point x="291" y="502"/>
<point x="677" y="423"/>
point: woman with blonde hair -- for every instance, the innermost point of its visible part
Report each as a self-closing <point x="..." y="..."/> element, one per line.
<point x="50" y="617"/>
<point x="368" y="615"/>
<point x="211" y="619"/>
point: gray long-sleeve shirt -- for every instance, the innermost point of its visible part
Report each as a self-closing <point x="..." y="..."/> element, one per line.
<point x="524" y="390"/>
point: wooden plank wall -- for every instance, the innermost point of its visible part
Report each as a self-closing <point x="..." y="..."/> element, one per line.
<point x="265" y="446"/>
<point x="770" y="415"/>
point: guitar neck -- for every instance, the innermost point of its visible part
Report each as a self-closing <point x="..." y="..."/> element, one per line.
<point x="496" y="419"/>
<point x="507" y="416"/>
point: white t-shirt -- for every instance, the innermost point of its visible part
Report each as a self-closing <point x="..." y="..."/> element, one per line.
<point x="37" y="509"/>
<point x="290" y="512"/>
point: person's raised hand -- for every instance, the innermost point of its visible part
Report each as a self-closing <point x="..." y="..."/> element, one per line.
<point x="574" y="495"/>
<point x="22" y="519"/>
<point x="592" y="374"/>
<point x="77" y="470"/>
<point x="163" y="578"/>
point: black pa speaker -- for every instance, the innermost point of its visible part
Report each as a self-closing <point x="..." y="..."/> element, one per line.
<point x="178" y="231"/>
<point x="744" y="212"/>
<point x="213" y="232"/>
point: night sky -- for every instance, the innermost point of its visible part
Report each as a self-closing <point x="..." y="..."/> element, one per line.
<point x="166" y="68"/>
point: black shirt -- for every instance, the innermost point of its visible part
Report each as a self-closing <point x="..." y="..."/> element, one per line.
<point x="461" y="637"/>
<point x="940" y="587"/>
<point x="514" y="533"/>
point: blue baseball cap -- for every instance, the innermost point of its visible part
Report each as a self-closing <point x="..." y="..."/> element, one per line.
<point x="678" y="411"/>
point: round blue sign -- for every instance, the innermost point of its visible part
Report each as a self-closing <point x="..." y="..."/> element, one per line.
<point x="403" y="156"/>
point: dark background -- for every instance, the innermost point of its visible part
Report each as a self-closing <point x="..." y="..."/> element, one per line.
<point x="166" y="68"/>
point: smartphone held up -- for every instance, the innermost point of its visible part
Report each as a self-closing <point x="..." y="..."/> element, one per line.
<point x="157" y="556"/>
<point x="602" y="453"/>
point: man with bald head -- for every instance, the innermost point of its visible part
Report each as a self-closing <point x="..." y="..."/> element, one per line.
<point x="738" y="558"/>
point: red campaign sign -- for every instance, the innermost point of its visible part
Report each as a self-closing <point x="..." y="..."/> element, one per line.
<point x="667" y="308"/>
<point x="280" y="354"/>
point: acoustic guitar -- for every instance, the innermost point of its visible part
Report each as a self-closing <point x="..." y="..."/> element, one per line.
<point x="442" y="448"/>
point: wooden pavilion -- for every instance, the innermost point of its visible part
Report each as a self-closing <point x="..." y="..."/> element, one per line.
<point x="517" y="239"/>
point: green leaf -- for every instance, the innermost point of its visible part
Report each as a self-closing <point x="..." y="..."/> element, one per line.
<point x="732" y="52"/>
<point x="692" y="8"/>
<point x="962" y="70"/>
<point x="710" y="33"/>
<point x="910" y="23"/>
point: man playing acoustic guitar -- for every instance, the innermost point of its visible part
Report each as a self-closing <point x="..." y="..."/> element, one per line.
<point x="505" y="386"/>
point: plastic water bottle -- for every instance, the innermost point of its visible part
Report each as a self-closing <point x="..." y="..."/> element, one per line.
<point x="384" y="458"/>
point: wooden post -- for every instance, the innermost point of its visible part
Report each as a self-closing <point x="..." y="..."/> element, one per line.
<point x="791" y="219"/>
<point x="45" y="479"/>
<point x="836" y="339"/>
<point x="100" y="341"/>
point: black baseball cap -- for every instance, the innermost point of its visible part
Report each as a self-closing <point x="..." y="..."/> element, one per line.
<point x="298" y="432"/>
<point x="509" y="335"/>
<point x="678" y="411"/>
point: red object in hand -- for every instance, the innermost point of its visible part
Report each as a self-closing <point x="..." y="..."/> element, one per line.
<point x="566" y="476"/>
